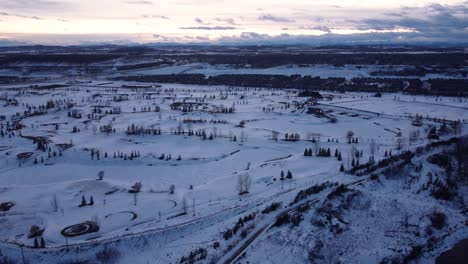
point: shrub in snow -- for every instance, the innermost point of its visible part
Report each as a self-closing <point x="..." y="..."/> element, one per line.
<point x="270" y="208"/>
<point x="108" y="255"/>
<point x="438" y="220"/>
<point x="281" y="220"/>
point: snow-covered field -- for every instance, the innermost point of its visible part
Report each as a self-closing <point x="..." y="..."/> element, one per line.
<point x="209" y="151"/>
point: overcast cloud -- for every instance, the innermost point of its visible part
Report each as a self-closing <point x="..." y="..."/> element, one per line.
<point x="240" y="21"/>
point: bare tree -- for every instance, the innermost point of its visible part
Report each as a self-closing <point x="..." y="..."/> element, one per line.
<point x="184" y="205"/>
<point x="244" y="182"/>
<point x="95" y="219"/>
<point x="243" y="136"/>
<point x="136" y="188"/>
<point x="414" y="135"/>
<point x="400" y="143"/>
<point x="349" y="135"/>
<point x="372" y="146"/>
<point x="54" y="203"/>
<point x="274" y="135"/>
<point x="100" y="175"/>
<point x="316" y="147"/>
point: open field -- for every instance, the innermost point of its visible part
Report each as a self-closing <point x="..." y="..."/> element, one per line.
<point x="157" y="170"/>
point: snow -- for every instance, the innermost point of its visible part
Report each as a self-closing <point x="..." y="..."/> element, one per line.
<point x="211" y="167"/>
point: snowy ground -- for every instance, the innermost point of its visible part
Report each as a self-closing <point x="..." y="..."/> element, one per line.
<point x="205" y="177"/>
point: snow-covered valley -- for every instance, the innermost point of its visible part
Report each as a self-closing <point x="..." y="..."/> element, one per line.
<point x="98" y="170"/>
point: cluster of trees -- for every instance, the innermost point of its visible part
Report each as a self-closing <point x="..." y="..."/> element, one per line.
<point x="74" y="114"/>
<point x="93" y="116"/>
<point x="288" y="175"/>
<point x="8" y="128"/>
<point x="120" y="98"/>
<point x="184" y="106"/>
<point x="114" y="111"/>
<point x="442" y="191"/>
<point x="97" y="154"/>
<point x="283" y="178"/>
<point x="303" y="194"/>
<point x="198" y="133"/>
<point x="133" y="155"/>
<point x="140" y="130"/>
<point x="240" y="223"/>
<point x="292" y="137"/>
<point x="434" y="133"/>
<point x="50" y="154"/>
<point x="199" y="254"/>
<point x="144" y="109"/>
<point x="213" y="121"/>
<point x="15" y="124"/>
<point x="321" y="152"/>
<point x="85" y="203"/>
<point x="107" y="129"/>
<point x="223" y="110"/>
<point x="295" y="218"/>
<point x="271" y="208"/>
<point x="30" y="113"/>
<point x="193" y="121"/>
<point x="370" y="167"/>
<point x="168" y="157"/>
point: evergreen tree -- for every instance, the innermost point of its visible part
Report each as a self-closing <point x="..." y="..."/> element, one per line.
<point x="83" y="201"/>
<point x="289" y="175"/>
<point x="342" y="167"/>
<point x="91" y="200"/>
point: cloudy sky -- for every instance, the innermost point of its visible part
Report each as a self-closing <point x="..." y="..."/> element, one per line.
<point x="233" y="21"/>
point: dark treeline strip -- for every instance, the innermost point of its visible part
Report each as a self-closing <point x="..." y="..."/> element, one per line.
<point x="270" y="60"/>
<point x="446" y="87"/>
<point x="58" y="58"/>
<point x="260" y="59"/>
